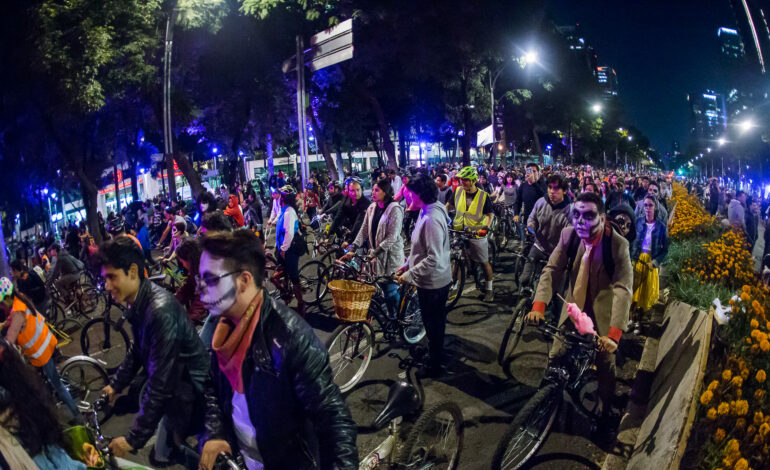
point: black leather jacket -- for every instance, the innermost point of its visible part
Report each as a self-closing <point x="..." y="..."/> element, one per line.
<point x="166" y="345"/>
<point x="298" y="412"/>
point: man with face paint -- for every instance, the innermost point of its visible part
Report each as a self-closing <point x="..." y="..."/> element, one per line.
<point x="586" y="258"/>
<point x="275" y="399"/>
<point x="165" y="345"/>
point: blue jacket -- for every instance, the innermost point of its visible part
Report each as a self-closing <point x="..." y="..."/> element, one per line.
<point x="659" y="247"/>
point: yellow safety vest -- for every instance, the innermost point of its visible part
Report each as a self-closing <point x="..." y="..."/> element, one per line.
<point x="473" y="216"/>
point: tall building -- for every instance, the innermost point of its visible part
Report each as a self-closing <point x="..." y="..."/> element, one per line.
<point x="608" y="81"/>
<point x="708" y="116"/>
<point x="731" y="44"/>
<point x="752" y="19"/>
<point x="577" y="42"/>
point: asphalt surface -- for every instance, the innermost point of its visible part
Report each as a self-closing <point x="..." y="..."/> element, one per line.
<point x="488" y="394"/>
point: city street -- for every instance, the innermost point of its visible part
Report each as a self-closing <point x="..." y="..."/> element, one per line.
<point x="488" y="396"/>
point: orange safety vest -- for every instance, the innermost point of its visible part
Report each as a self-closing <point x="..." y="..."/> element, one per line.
<point x="35" y="339"/>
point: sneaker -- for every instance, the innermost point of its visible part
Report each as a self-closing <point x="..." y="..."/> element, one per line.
<point x="489" y="296"/>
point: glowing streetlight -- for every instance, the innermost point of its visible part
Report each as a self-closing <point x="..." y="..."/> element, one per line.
<point x="529" y="57"/>
<point x="597" y="108"/>
<point x="722" y="141"/>
<point x="746" y="125"/>
<point x="630" y="138"/>
<point x="708" y="149"/>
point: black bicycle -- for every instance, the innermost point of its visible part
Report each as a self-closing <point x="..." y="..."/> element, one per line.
<point x="515" y="329"/>
<point x="106" y="339"/>
<point x="570" y="373"/>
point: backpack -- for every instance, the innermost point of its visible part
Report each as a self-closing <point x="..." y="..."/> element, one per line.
<point x="607" y="260"/>
<point x="298" y="244"/>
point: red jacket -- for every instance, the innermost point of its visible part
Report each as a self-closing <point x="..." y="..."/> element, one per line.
<point x="233" y="210"/>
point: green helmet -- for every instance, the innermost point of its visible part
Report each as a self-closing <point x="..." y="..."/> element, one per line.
<point x="469" y="173"/>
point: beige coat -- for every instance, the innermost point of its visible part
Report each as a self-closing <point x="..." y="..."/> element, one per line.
<point x="611" y="297"/>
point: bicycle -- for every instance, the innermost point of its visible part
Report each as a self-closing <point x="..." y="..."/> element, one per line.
<point x="83" y="300"/>
<point x="84" y="378"/>
<point x="506" y="230"/>
<point x="461" y="264"/>
<point x="532" y="423"/>
<point x="105" y="338"/>
<point x="309" y="276"/>
<point x="167" y="275"/>
<point x="351" y="344"/>
<point x="435" y="440"/>
<point x="515" y="328"/>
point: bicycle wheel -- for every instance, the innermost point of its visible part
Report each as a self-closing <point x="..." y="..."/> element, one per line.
<point x="350" y="347"/>
<point x="529" y="429"/>
<point x="436" y="439"/>
<point x="458" y="283"/>
<point x="412" y="328"/>
<point x="105" y="341"/>
<point x="55" y="313"/>
<point x="85" y="380"/>
<point x="330" y="273"/>
<point x="88" y="300"/>
<point x="512" y="334"/>
<point x="309" y="278"/>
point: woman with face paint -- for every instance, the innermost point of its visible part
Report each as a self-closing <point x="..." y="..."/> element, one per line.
<point x="289" y="244"/>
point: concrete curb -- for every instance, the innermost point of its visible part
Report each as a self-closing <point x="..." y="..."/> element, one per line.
<point x="657" y="421"/>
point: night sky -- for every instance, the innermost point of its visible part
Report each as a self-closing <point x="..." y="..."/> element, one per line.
<point x="661" y="50"/>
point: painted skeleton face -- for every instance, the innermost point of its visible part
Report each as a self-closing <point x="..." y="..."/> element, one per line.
<point x="587" y="220"/>
<point x="216" y="285"/>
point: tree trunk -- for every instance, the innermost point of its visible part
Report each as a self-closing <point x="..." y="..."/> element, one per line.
<point x="193" y="179"/>
<point x="89" y="193"/>
<point x="4" y="270"/>
<point x="269" y="153"/>
<point x="117" y="187"/>
<point x="171" y="180"/>
<point x="466" y="124"/>
<point x="134" y="180"/>
<point x="402" y="156"/>
<point x="376" y="146"/>
<point x="387" y="142"/>
<point x="538" y="147"/>
<point x="321" y="142"/>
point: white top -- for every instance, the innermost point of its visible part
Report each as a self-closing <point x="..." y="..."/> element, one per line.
<point x="647" y="242"/>
<point x="245" y="433"/>
<point x="275" y="212"/>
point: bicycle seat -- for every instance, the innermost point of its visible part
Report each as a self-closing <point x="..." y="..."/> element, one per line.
<point x="402" y="400"/>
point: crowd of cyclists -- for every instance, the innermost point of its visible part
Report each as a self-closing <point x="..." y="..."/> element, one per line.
<point x="246" y="374"/>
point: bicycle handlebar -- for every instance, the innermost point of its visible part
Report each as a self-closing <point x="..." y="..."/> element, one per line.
<point x="570" y="337"/>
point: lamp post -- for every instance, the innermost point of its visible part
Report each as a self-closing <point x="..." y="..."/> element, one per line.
<point x="529" y="57"/>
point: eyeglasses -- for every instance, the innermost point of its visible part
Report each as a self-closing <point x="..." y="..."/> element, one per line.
<point x="588" y="216"/>
<point x="212" y="281"/>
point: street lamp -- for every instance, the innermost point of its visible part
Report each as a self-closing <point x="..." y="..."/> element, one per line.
<point x="597" y="108"/>
<point x="529" y="57"/>
<point x="746" y="125"/>
<point x="722" y="141"/>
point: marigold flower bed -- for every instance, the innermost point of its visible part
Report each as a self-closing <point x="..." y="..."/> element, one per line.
<point x="727" y="261"/>
<point x="690" y="218"/>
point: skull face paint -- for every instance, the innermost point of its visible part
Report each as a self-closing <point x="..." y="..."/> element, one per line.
<point x="218" y="297"/>
<point x="586" y="219"/>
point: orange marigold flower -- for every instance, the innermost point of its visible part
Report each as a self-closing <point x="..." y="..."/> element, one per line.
<point x="740" y="423"/>
<point x="754" y="323"/>
<point x="744" y="297"/>
<point x="714" y="384"/>
<point x="727" y="374"/>
<point x="761" y="376"/>
<point x="737" y="381"/>
<point x="759" y="394"/>
<point x="741" y="464"/>
<point x="764" y="345"/>
<point x="759" y="418"/>
<point x="723" y="409"/>
<point x="719" y="435"/>
<point x="764" y="429"/>
<point x="706" y="397"/>
<point x="711" y="413"/>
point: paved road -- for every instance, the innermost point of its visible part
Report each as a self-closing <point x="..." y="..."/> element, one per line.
<point x="488" y="395"/>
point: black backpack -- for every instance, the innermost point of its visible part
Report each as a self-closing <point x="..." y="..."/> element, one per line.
<point x="607" y="260"/>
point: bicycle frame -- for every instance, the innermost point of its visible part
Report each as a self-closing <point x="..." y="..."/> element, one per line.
<point x="385" y="451"/>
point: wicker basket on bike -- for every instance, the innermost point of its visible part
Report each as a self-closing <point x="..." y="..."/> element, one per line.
<point x="351" y="299"/>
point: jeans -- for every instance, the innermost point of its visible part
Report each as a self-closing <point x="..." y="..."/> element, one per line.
<point x="433" y="310"/>
<point x="392" y="298"/>
<point x="52" y="375"/>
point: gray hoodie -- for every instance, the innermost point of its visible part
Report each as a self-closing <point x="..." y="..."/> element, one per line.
<point x="429" y="266"/>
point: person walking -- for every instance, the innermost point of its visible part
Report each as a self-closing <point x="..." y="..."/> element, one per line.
<point x="428" y="267"/>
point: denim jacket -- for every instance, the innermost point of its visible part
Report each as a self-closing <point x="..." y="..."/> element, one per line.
<point x="659" y="246"/>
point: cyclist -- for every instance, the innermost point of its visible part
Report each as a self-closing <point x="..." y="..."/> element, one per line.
<point x="165" y="345"/>
<point x="289" y="242"/>
<point x="354" y="205"/>
<point x="26" y="328"/>
<point x="528" y="194"/>
<point x="275" y="400"/>
<point x="548" y="217"/>
<point x="178" y="236"/>
<point x="66" y="269"/>
<point x="595" y="260"/>
<point x="381" y="229"/>
<point x="474" y="211"/>
<point x="276" y="207"/>
<point x="335" y="198"/>
<point x="30" y="284"/>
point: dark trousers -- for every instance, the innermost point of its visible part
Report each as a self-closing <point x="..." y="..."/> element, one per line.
<point x="535" y="255"/>
<point x="410" y="219"/>
<point x="433" y="310"/>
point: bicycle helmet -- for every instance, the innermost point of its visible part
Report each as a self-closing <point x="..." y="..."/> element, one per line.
<point x="335" y="184"/>
<point x="115" y="224"/>
<point x="288" y="189"/>
<point x="6" y="288"/>
<point x="469" y="173"/>
<point x="354" y="179"/>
